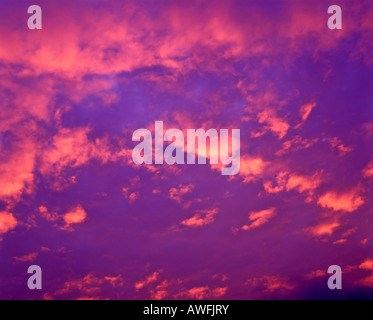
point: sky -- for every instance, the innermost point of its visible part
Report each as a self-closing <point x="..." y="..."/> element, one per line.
<point x="73" y="201"/>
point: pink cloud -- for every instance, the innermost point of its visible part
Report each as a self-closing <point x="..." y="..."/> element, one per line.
<point x="159" y="295"/>
<point x="204" y="217"/>
<point x="271" y="283"/>
<point x="367" y="264"/>
<point x="300" y="183"/>
<point x="177" y="193"/>
<point x="45" y="214"/>
<point x="115" y="281"/>
<point x="251" y="167"/>
<point x="345" y="202"/>
<point x="368" y="170"/>
<point x="131" y="196"/>
<point x="305" y="110"/>
<point x="72" y="148"/>
<point x="295" y="144"/>
<point x="151" y="278"/>
<point x="340" y="241"/>
<point x="201" y="293"/>
<point x="367" y="281"/>
<point x="75" y="216"/>
<point x="279" y="185"/>
<point x="338" y="146"/>
<point x="259" y="218"/>
<point x="7" y="222"/>
<point x="316" y="274"/>
<point x="303" y="183"/>
<point x="323" y="229"/>
<point x="27" y="258"/>
<point x="86" y="288"/>
<point x="275" y="124"/>
<point x="16" y="171"/>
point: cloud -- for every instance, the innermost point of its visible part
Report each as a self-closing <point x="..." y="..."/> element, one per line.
<point x="159" y="295"/>
<point x="367" y="264"/>
<point x="87" y="288"/>
<point x="295" y="144"/>
<point x="316" y="274"/>
<point x="131" y="196"/>
<point x="251" y="167"/>
<point x="323" y="229"/>
<point x="305" y="110"/>
<point x="368" y="170"/>
<point x="75" y="216"/>
<point x="7" y="222"/>
<point x="27" y="258"/>
<point x="337" y="145"/>
<point x="177" y="193"/>
<point x="294" y="181"/>
<point x="45" y="214"/>
<point x="340" y="241"/>
<point x="16" y="170"/>
<point x="367" y="281"/>
<point x="115" y="281"/>
<point x="201" y="293"/>
<point x="270" y="283"/>
<point x="204" y="217"/>
<point x="303" y="184"/>
<point x="151" y="278"/>
<point x="345" y="202"/>
<point x="279" y="185"/>
<point x="273" y="123"/>
<point x="73" y="148"/>
<point x="259" y="218"/>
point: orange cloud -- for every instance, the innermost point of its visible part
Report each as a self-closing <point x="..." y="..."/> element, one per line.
<point x="347" y="202"/>
<point x="259" y="218"/>
<point x="201" y="219"/>
<point x="7" y="222"/>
